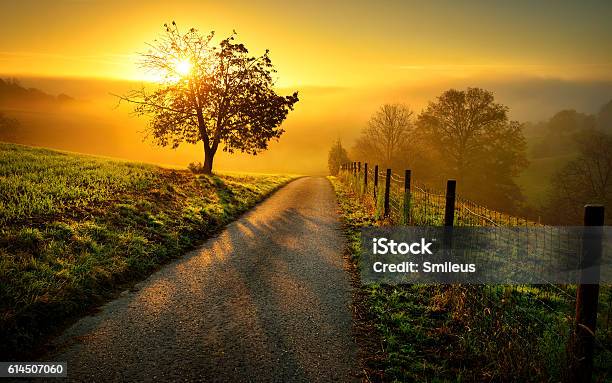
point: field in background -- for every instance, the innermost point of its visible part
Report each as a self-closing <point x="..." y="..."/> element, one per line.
<point x="73" y="228"/>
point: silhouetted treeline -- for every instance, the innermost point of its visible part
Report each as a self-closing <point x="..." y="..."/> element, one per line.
<point x="463" y="134"/>
<point x="557" y="136"/>
<point x="466" y="135"/>
<point x="16" y="102"/>
<point x="585" y="179"/>
<point x="579" y="145"/>
<point x="13" y="94"/>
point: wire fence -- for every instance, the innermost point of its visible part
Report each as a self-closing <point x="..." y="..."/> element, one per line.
<point x="519" y="320"/>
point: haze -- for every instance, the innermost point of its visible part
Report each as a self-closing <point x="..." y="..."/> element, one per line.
<point x="345" y="59"/>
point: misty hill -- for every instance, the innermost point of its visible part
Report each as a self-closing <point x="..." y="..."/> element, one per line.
<point x="552" y="144"/>
<point x="13" y="94"/>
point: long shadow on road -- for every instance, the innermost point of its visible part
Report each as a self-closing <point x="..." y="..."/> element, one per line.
<point x="266" y="300"/>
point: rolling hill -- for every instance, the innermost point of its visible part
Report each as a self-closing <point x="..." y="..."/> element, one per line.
<point x="75" y="229"/>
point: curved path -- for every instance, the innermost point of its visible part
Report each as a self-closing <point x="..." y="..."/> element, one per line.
<point x="267" y="299"/>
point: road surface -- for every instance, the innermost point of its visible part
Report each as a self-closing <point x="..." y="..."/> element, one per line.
<point x="268" y="299"/>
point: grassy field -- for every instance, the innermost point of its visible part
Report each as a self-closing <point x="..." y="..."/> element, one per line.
<point x="75" y="228"/>
<point x="461" y="333"/>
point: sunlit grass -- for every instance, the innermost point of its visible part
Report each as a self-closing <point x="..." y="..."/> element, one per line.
<point x="73" y="227"/>
<point x="468" y="332"/>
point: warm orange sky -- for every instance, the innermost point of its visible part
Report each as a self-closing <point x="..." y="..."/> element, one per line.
<point x="345" y="58"/>
<point x="322" y="43"/>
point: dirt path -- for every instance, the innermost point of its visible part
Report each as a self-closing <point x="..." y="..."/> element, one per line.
<point x="266" y="300"/>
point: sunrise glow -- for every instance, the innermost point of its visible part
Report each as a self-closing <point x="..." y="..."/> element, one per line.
<point x="183" y="67"/>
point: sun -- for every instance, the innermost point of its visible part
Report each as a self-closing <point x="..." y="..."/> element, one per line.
<point x="175" y="71"/>
<point x="182" y="67"/>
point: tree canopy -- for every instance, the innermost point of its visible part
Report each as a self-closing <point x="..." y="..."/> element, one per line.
<point x="388" y="138"/>
<point x="216" y="94"/>
<point x="475" y="142"/>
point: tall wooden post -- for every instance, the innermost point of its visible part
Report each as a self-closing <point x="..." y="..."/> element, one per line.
<point x="359" y="167"/>
<point x="587" y="295"/>
<point x="387" y="190"/>
<point x="406" y="207"/>
<point x="375" y="184"/>
<point x="449" y="208"/>
<point x="449" y="213"/>
<point x="365" y="176"/>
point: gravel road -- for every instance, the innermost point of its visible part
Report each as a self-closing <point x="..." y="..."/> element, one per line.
<point x="268" y="299"/>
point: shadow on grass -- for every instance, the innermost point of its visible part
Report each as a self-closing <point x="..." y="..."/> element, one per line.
<point x="145" y="232"/>
<point x="225" y="194"/>
<point x="269" y="295"/>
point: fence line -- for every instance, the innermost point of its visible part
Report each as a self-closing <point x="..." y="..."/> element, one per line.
<point x="403" y="200"/>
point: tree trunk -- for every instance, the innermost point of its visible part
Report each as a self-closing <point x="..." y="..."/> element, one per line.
<point x="208" y="161"/>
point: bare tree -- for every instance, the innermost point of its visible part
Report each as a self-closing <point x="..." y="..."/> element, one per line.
<point x="219" y="95"/>
<point x="586" y="179"/>
<point x="336" y="158"/>
<point x="387" y="135"/>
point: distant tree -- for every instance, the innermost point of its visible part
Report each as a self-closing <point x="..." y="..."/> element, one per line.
<point x="558" y="137"/>
<point x="219" y="95"/>
<point x="477" y="144"/>
<point x="336" y="158"/>
<point x="9" y="128"/>
<point x="569" y="121"/>
<point x="604" y="118"/>
<point x="586" y="179"/>
<point x="384" y="141"/>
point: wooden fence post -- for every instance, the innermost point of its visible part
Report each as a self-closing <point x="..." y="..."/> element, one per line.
<point x="587" y="296"/>
<point x="406" y="207"/>
<point x="387" y="189"/>
<point x="365" y="176"/>
<point x="375" y="183"/>
<point x="449" y="213"/>
<point x="359" y="167"/>
<point x="449" y="208"/>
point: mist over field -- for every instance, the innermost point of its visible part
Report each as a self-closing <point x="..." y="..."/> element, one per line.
<point x="93" y="121"/>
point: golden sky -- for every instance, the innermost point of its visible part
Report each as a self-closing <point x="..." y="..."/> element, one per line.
<point x="321" y="43"/>
<point x="346" y="58"/>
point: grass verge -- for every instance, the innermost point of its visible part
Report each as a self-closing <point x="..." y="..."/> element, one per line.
<point x="76" y="229"/>
<point x="404" y="336"/>
<point x="461" y="333"/>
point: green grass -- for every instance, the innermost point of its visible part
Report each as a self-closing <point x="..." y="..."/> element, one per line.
<point x="467" y="333"/>
<point x="75" y="228"/>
